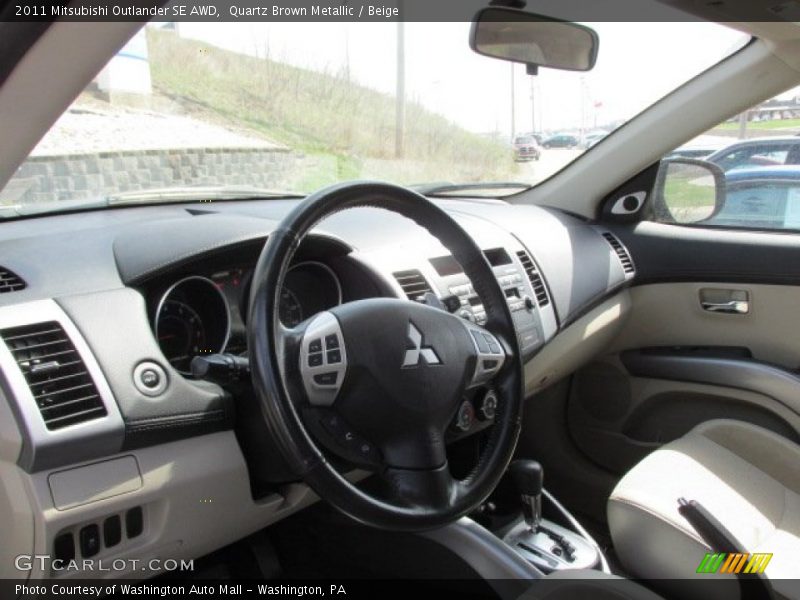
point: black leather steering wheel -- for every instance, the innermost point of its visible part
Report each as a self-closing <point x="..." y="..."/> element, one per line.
<point x="387" y="373"/>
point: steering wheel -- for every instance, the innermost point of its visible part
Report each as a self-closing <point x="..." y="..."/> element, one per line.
<point x="383" y="376"/>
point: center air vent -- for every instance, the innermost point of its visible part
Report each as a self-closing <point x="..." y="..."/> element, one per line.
<point x="622" y="253"/>
<point x="10" y="282"/>
<point x="61" y="386"/>
<point x="413" y="283"/>
<point x="539" y="289"/>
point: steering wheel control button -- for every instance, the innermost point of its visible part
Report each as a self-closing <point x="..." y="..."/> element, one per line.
<point x="326" y="378"/>
<point x="494" y="347"/>
<point x="483" y="346"/>
<point x="150" y="378"/>
<point x="90" y="540"/>
<point x="465" y="417"/>
<point x="350" y="445"/>
<point x="490" y="355"/>
<point x="488" y="406"/>
<point x="323" y="360"/>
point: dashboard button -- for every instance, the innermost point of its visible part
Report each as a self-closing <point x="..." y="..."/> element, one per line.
<point x="90" y="540"/>
<point x="134" y="522"/>
<point x="315" y="346"/>
<point x="112" y="531"/>
<point x="64" y="547"/>
<point x="331" y="341"/>
<point x="150" y="378"/>
<point x="326" y="378"/>
<point x="334" y="356"/>
<point x="315" y="360"/>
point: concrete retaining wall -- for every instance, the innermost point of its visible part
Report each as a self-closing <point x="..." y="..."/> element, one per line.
<point x="75" y="177"/>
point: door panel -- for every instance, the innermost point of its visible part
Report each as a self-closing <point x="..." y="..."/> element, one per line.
<point x="676" y="364"/>
<point x="617" y="418"/>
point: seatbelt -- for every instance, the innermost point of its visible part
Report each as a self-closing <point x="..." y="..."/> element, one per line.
<point x="753" y="586"/>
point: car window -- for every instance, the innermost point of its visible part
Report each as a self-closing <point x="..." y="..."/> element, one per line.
<point x="757" y="157"/>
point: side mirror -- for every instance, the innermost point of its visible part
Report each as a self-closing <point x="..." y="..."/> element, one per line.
<point x="537" y="41"/>
<point x="688" y="190"/>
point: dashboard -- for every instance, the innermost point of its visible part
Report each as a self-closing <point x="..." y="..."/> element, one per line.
<point x="100" y="414"/>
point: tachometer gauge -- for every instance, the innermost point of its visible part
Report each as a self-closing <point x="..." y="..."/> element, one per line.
<point x="180" y="334"/>
<point x="192" y="318"/>
<point x="290" y="311"/>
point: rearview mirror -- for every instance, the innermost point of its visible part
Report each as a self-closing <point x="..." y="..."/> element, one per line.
<point x="688" y="190"/>
<point x="537" y="41"/>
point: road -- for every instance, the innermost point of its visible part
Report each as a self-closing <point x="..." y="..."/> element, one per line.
<point x="551" y="161"/>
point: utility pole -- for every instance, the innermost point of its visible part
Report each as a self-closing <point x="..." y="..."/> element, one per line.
<point x="743" y="125"/>
<point x="533" y="107"/>
<point x="513" y="107"/>
<point x="400" y="93"/>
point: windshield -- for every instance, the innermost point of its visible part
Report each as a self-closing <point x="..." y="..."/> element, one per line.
<point x="238" y="109"/>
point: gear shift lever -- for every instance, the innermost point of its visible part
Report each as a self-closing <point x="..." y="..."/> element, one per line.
<point x="528" y="476"/>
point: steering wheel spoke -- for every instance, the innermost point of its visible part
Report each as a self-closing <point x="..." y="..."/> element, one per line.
<point x="323" y="359"/>
<point x="490" y="355"/>
<point x="432" y="489"/>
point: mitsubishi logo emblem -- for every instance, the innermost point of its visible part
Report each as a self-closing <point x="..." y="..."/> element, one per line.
<point x="417" y="350"/>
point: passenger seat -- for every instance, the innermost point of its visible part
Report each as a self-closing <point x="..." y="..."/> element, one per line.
<point x="745" y="476"/>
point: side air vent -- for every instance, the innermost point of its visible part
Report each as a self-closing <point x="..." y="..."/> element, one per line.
<point x="413" y="283"/>
<point x="622" y="253"/>
<point x="10" y="282"/>
<point x="539" y="289"/>
<point x="62" y="387"/>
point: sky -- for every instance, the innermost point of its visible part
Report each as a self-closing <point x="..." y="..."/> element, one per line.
<point x="637" y="64"/>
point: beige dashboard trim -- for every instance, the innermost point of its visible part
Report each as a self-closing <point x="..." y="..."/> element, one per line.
<point x="579" y="343"/>
<point x="195" y="496"/>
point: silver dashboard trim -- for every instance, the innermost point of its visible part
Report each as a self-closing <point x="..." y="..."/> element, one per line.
<point x="42" y="447"/>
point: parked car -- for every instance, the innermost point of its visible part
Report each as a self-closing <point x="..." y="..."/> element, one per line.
<point x="561" y="140"/>
<point x="526" y="148"/>
<point x="758" y="152"/>
<point x="593" y="138"/>
<point x="761" y="198"/>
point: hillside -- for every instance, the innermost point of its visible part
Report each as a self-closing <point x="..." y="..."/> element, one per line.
<point x="345" y="129"/>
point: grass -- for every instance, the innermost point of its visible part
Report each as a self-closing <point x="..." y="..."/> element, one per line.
<point x="345" y="129"/>
<point x="689" y="197"/>
<point x="762" y="125"/>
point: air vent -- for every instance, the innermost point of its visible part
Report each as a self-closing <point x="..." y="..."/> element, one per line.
<point x="535" y="278"/>
<point x="622" y="253"/>
<point x="413" y="283"/>
<point x="10" y="282"/>
<point x="62" y="387"/>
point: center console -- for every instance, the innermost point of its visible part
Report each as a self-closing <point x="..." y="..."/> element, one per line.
<point x="549" y="546"/>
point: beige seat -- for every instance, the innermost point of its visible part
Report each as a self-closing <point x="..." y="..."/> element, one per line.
<point x="746" y="476"/>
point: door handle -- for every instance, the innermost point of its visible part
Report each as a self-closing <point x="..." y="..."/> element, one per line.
<point x="733" y="307"/>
